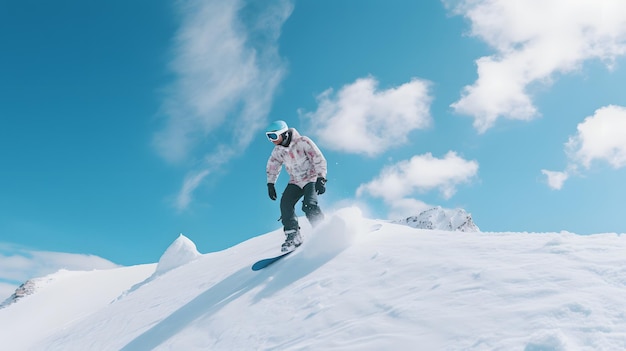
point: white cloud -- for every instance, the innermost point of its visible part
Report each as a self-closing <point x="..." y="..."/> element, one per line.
<point x="361" y="119"/>
<point x="226" y="73"/>
<point x="396" y="183"/>
<point x="600" y="138"/>
<point x="18" y="264"/>
<point x="555" y="179"/>
<point x="534" y="40"/>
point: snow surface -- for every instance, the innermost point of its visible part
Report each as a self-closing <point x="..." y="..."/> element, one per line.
<point x="355" y="284"/>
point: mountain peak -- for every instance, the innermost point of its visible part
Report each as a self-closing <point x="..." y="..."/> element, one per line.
<point x="180" y="252"/>
<point x="442" y="219"/>
<point x="28" y="288"/>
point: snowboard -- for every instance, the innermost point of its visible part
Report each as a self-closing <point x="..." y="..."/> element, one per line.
<point x="268" y="261"/>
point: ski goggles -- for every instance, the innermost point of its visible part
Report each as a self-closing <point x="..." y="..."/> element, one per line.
<point x="273" y="136"/>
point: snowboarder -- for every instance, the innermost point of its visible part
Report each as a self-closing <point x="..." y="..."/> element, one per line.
<point x="306" y="166"/>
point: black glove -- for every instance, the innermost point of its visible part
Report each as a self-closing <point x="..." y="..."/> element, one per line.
<point x="271" y="191"/>
<point x="320" y="185"/>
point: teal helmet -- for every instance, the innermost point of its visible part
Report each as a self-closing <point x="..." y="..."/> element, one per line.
<point x="275" y="129"/>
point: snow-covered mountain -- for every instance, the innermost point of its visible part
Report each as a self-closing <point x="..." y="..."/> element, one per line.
<point x="442" y="219"/>
<point x="356" y="284"/>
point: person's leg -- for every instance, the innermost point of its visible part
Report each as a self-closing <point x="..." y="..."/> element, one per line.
<point x="309" y="205"/>
<point x="288" y="201"/>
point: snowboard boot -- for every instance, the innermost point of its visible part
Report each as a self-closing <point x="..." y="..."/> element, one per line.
<point x="293" y="239"/>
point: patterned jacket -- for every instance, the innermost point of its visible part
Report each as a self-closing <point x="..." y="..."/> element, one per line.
<point x="303" y="161"/>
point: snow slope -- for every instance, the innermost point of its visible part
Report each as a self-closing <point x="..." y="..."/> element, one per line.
<point x="346" y="288"/>
<point x="62" y="299"/>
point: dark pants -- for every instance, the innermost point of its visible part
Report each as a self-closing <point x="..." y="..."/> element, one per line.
<point x="288" y="201"/>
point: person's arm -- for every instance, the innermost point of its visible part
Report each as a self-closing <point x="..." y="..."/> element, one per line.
<point x="318" y="161"/>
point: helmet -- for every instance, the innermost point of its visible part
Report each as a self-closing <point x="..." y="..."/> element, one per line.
<point x="275" y="129"/>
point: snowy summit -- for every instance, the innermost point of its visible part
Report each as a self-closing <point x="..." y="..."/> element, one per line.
<point x="442" y="219"/>
<point x="180" y="252"/>
<point x="28" y="288"/>
<point x="355" y="284"/>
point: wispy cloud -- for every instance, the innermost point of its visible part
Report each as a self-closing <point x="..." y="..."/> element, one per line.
<point x="600" y="138"/>
<point x="364" y="120"/>
<point x="396" y="183"/>
<point x="534" y="40"/>
<point x="227" y="69"/>
<point x="191" y="182"/>
<point x="18" y="264"/>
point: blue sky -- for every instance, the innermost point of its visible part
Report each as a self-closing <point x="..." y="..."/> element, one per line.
<point x="123" y="124"/>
